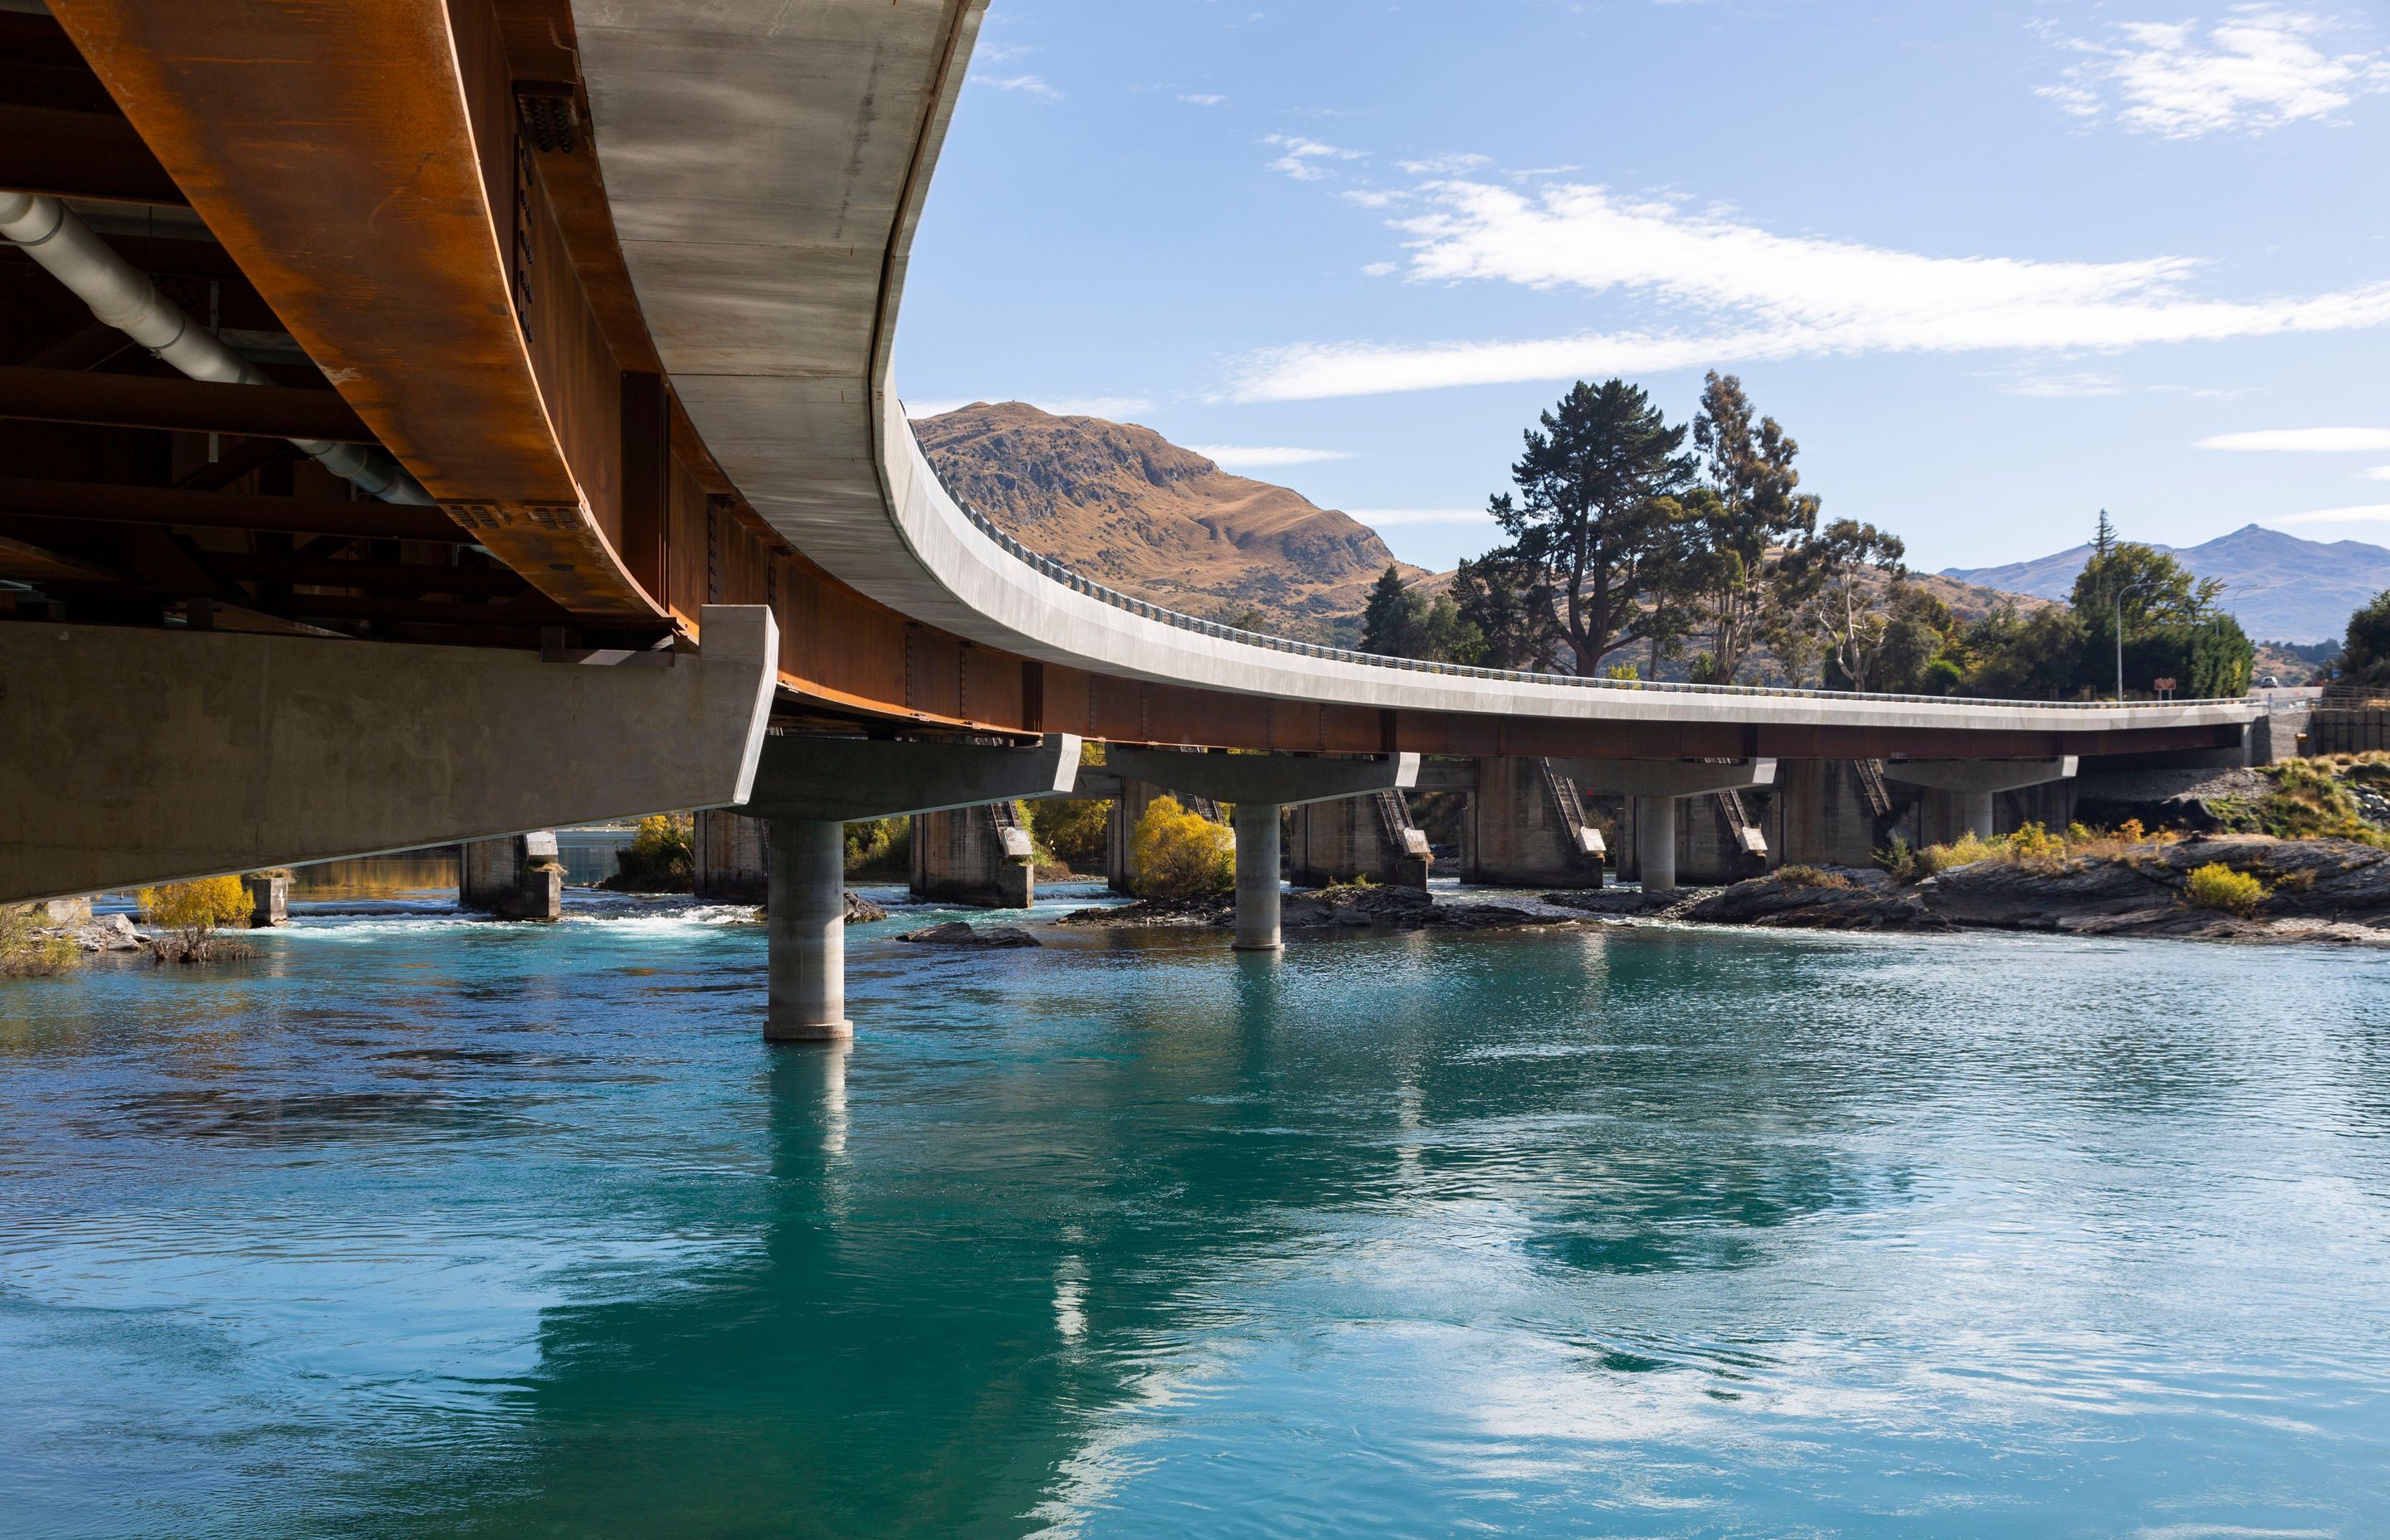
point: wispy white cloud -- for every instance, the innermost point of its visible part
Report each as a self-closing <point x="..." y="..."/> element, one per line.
<point x="1303" y="157"/>
<point x="2369" y="513"/>
<point x="1757" y="295"/>
<point x="2378" y="473"/>
<point x="1232" y="455"/>
<point x="1028" y="85"/>
<point x="2258" y="69"/>
<point x="2063" y="387"/>
<point x="2304" y="440"/>
<point x="1444" y="165"/>
<point x="1201" y="98"/>
<point x="1395" y="517"/>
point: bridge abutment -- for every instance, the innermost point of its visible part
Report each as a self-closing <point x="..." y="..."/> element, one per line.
<point x="982" y="856"/>
<point x="1526" y="827"/>
<point x="733" y="858"/>
<point x="1371" y="837"/>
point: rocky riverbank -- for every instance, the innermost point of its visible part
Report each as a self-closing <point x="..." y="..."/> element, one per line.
<point x="1349" y="906"/>
<point x="2312" y="890"/>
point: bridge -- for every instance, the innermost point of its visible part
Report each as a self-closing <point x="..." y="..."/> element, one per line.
<point x="443" y="419"/>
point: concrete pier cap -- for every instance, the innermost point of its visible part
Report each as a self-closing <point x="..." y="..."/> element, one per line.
<point x="1260" y="786"/>
<point x="1967" y="787"/>
<point x="1655" y="783"/>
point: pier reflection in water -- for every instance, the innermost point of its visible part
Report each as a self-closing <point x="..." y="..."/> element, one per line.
<point x="431" y="1226"/>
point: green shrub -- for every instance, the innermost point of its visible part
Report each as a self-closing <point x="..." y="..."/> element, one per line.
<point x="26" y="950"/>
<point x="880" y="849"/>
<point x="1176" y="853"/>
<point x="192" y="911"/>
<point x="2217" y="886"/>
<point x="199" y="905"/>
<point x="660" y="858"/>
<point x="1073" y="833"/>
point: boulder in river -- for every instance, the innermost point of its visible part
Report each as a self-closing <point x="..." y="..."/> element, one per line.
<point x="955" y="933"/>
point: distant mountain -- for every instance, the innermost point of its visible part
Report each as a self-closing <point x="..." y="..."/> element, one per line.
<point x="1124" y="506"/>
<point x="2281" y="587"/>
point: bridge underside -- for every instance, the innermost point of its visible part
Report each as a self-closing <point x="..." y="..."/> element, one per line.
<point x="412" y="220"/>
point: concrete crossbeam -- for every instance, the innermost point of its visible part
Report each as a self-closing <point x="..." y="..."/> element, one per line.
<point x="847" y="780"/>
<point x="1979" y="775"/>
<point x="1666" y="777"/>
<point x="138" y="756"/>
<point x="1286" y="780"/>
<point x="1964" y="788"/>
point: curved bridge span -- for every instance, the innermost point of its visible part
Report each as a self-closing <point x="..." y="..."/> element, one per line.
<point x="601" y="295"/>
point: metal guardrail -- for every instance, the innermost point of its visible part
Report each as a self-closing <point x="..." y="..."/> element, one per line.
<point x="1048" y="568"/>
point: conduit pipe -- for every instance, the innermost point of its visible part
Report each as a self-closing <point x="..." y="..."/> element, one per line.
<point x="122" y="297"/>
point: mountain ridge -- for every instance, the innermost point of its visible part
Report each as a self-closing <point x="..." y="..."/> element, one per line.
<point x="1122" y="505"/>
<point x="2281" y="588"/>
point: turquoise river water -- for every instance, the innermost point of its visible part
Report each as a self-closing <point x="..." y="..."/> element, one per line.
<point x="424" y="1226"/>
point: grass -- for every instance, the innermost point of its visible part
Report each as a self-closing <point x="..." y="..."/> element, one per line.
<point x="2310" y="800"/>
<point x="1811" y="876"/>
<point x="2032" y="846"/>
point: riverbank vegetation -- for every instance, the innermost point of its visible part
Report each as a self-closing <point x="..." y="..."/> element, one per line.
<point x="1630" y="555"/>
<point x="660" y="858"/>
<point x="189" y="912"/>
<point x="1179" y="854"/>
<point x="879" y="850"/>
<point x="29" y="948"/>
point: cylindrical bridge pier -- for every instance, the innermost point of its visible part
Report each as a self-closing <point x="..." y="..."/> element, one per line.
<point x="1257" y="877"/>
<point x="806" y="922"/>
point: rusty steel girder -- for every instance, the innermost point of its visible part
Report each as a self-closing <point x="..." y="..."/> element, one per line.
<point x="365" y="163"/>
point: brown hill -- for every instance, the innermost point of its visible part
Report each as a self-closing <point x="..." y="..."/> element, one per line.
<point x="1124" y="506"/>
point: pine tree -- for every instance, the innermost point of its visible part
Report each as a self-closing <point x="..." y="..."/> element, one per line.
<point x="2104" y="539"/>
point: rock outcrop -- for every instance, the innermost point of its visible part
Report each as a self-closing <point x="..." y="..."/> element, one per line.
<point x="955" y="933"/>
<point x="2317" y="889"/>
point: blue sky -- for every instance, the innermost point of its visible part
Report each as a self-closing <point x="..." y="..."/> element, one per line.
<point x="1995" y="265"/>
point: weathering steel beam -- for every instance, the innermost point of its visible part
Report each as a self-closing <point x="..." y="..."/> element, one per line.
<point x="182" y="405"/>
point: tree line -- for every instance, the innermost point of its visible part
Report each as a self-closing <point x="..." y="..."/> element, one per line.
<point x="1629" y="552"/>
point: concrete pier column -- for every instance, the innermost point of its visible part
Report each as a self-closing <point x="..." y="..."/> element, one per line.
<point x="806" y="925"/>
<point x="514" y="877"/>
<point x="1970" y="811"/>
<point x="269" y="899"/>
<point x="732" y="864"/>
<point x="1257" y="878"/>
<point x="1656" y="842"/>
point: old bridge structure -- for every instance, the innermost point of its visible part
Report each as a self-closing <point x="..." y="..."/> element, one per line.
<point x="439" y="419"/>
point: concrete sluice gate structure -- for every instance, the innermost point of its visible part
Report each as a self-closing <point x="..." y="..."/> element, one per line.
<point x="529" y="460"/>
